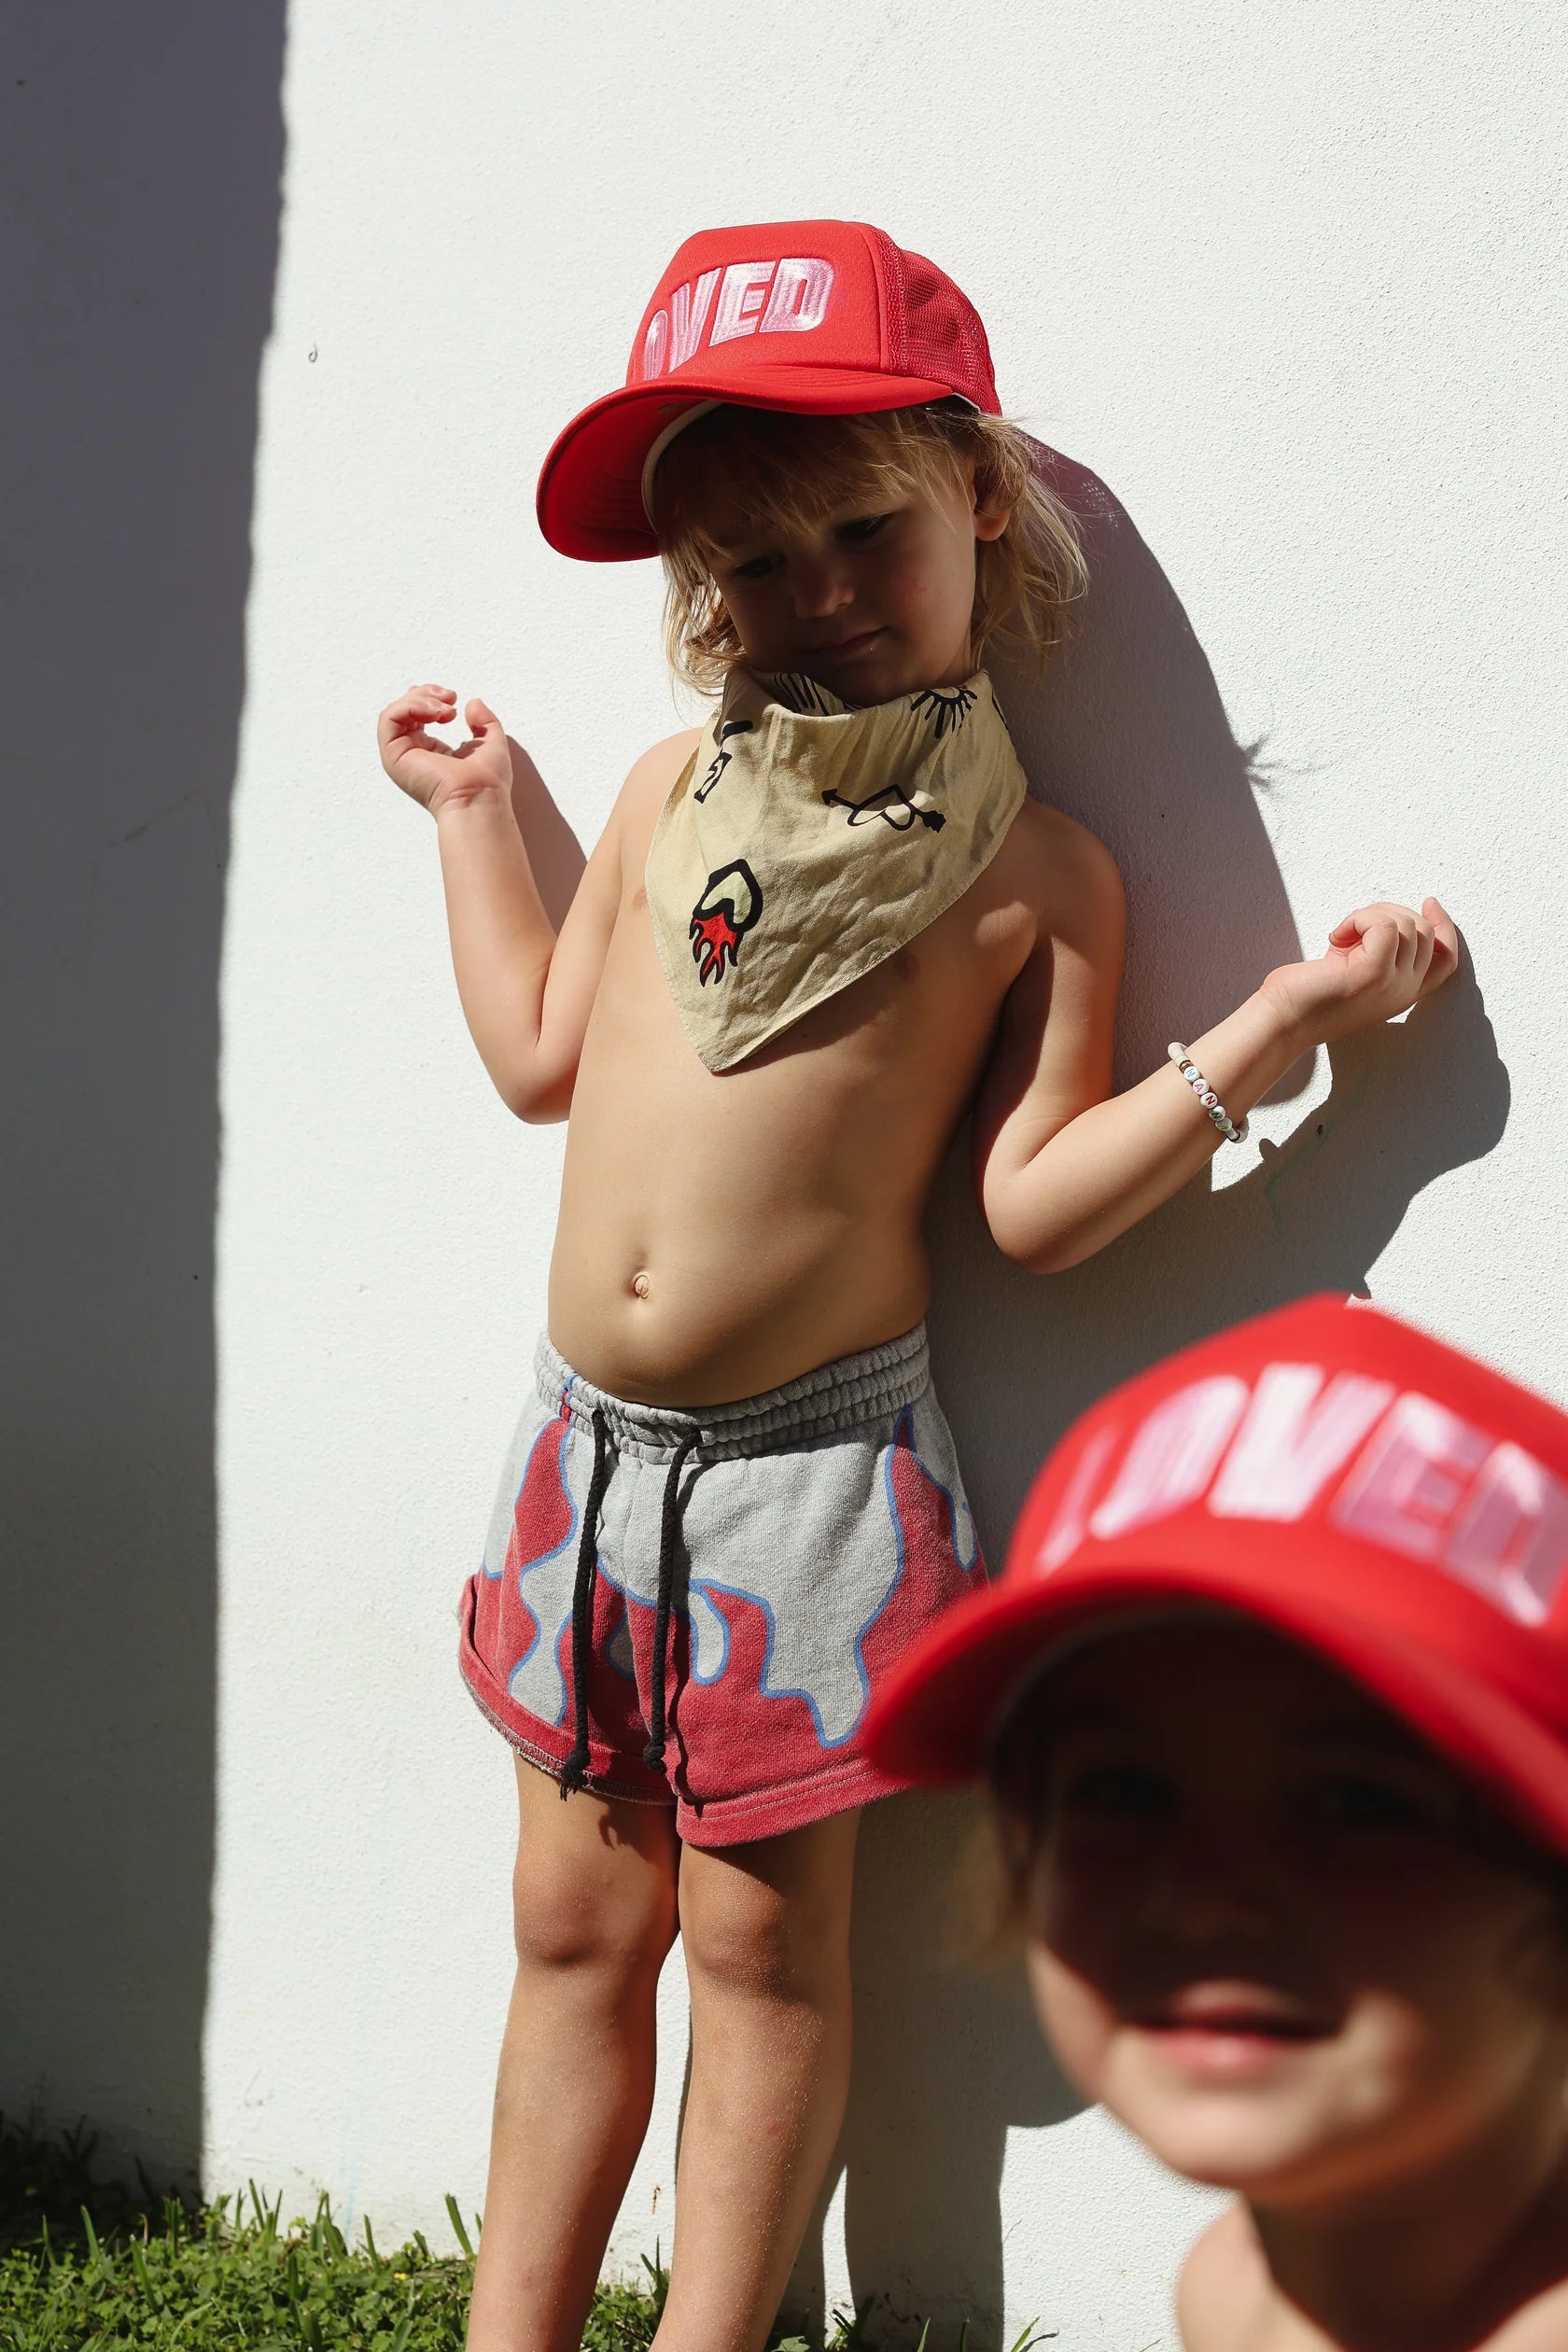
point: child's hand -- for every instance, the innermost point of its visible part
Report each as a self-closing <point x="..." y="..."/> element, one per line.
<point x="429" y="771"/>
<point x="1380" y="960"/>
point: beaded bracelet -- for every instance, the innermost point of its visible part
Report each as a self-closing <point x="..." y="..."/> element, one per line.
<point x="1206" y="1094"/>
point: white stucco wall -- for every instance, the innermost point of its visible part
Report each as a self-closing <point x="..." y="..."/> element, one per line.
<point x="1284" y="281"/>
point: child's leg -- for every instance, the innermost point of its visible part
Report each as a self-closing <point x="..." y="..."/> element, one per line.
<point x="594" y="1903"/>
<point x="766" y="1929"/>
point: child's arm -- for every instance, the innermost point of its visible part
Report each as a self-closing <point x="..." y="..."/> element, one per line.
<point x="526" y="993"/>
<point x="1061" y="1165"/>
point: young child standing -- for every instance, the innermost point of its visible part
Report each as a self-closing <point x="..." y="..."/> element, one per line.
<point x="1274" y="1699"/>
<point x="809" y="940"/>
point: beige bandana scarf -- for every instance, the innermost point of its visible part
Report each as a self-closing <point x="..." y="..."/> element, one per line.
<point x="806" y="843"/>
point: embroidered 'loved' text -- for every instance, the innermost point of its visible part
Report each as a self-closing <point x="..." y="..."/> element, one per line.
<point x="1395" y="1468"/>
<point x="749" y="298"/>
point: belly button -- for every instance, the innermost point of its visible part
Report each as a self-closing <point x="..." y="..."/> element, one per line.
<point x="640" y="1285"/>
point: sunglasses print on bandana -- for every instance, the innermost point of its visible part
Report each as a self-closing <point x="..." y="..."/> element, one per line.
<point x="892" y="804"/>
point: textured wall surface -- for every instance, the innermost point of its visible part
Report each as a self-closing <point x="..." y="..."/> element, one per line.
<point x="1281" y="290"/>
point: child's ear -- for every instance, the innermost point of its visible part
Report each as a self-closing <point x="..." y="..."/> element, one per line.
<point x="992" y="512"/>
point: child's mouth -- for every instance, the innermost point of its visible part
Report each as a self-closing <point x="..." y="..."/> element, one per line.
<point x="845" y="649"/>
<point x="1230" y="2032"/>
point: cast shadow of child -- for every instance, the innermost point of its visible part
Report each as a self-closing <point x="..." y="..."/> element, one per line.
<point x="1126" y="731"/>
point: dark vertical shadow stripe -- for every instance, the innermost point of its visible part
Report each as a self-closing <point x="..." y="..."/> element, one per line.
<point x="142" y="151"/>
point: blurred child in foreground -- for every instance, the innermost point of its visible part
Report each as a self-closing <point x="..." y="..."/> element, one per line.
<point x="1273" y="1703"/>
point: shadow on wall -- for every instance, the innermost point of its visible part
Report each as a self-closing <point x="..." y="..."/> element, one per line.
<point x="1128" y="733"/>
<point x="143" y="150"/>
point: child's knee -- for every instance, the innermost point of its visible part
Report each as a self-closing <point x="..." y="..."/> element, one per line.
<point x="616" y="1921"/>
<point x="747" y="1939"/>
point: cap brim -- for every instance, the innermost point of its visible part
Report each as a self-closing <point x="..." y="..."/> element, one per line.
<point x="590" y="486"/>
<point x="933" y="1720"/>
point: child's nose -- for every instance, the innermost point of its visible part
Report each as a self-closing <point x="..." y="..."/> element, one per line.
<point x="819" y="588"/>
<point x="1210" y="1883"/>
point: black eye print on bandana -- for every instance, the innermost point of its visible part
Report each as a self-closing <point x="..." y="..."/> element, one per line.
<point x="722" y="758"/>
<point x="894" y="807"/>
<point x="798" y="693"/>
<point x="721" y="917"/>
<point x="948" y="705"/>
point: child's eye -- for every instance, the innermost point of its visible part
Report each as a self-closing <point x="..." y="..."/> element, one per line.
<point x="864" y="526"/>
<point x="754" y="568"/>
<point x="1118" y="1792"/>
<point x="1349" y="1800"/>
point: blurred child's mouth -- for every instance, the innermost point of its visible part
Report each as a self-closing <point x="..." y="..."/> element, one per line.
<point x="1230" y="2032"/>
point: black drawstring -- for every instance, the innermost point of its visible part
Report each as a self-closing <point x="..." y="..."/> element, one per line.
<point x="653" y="1754"/>
<point x="575" y="1769"/>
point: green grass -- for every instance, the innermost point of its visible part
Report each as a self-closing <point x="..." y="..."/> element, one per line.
<point x="92" y="2266"/>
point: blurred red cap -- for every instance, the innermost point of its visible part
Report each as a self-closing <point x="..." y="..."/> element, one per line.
<point x="1352" y="1482"/>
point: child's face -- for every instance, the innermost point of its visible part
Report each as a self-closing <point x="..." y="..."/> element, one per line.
<point x="872" y="603"/>
<point x="1261" y="1929"/>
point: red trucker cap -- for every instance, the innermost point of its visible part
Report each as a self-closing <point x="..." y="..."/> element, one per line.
<point x="1353" y="1483"/>
<point x="829" y="318"/>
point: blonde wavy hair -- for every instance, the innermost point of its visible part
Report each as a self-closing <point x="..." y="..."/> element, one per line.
<point x="790" y="472"/>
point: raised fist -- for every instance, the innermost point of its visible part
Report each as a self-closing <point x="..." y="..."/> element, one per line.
<point x="1379" y="962"/>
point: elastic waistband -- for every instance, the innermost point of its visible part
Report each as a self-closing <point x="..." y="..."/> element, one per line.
<point x="844" y="1394"/>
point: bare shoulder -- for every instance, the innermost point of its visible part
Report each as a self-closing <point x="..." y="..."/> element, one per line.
<point x="1223" y="2282"/>
<point x="1071" y="877"/>
<point x="648" y="783"/>
<point x="624" y="841"/>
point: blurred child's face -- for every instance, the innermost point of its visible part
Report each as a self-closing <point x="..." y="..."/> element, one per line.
<point x="1262" y="1927"/>
<point x="872" y="603"/>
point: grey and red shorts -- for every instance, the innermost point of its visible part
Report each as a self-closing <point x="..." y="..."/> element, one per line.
<point x="693" y="1608"/>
